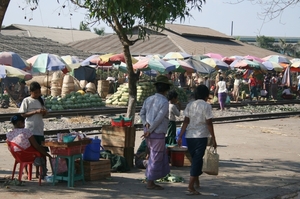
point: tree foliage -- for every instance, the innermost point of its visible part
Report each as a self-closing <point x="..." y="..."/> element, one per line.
<point x="123" y="16"/>
<point x="84" y="27"/>
<point x="100" y="31"/>
<point x="265" y="42"/>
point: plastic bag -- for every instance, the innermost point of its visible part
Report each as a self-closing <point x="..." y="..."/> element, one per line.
<point x="61" y="166"/>
<point x="227" y="100"/>
<point x="211" y="161"/>
<point x="215" y="100"/>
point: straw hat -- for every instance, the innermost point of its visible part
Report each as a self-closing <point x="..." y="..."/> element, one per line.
<point x="162" y="79"/>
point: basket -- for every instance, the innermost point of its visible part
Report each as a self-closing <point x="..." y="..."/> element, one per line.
<point x="72" y="150"/>
<point x="121" y="121"/>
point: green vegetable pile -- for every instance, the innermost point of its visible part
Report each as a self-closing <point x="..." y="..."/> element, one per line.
<point x="74" y="100"/>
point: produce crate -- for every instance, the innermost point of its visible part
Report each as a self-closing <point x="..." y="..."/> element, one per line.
<point x="126" y="152"/>
<point x="95" y="170"/>
<point x="118" y="136"/>
<point x="72" y="150"/>
<point x="187" y="159"/>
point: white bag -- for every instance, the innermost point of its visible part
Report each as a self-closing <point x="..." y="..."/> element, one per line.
<point x="211" y="161"/>
<point x="263" y="93"/>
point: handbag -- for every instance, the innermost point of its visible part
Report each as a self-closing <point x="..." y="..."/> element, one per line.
<point x="211" y="161"/>
<point x="61" y="166"/>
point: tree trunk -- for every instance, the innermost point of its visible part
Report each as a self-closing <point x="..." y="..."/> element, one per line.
<point x="3" y="7"/>
<point x="132" y="80"/>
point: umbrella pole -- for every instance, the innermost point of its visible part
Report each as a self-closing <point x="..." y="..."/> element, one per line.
<point x="47" y="83"/>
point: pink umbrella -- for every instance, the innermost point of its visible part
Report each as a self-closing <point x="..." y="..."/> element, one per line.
<point x="12" y="59"/>
<point x="253" y="58"/>
<point x="214" y="55"/>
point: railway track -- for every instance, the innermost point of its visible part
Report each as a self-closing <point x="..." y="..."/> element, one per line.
<point x="218" y="120"/>
<point x="110" y="110"/>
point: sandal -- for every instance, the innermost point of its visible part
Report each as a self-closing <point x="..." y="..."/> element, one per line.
<point x="191" y="193"/>
<point x="155" y="187"/>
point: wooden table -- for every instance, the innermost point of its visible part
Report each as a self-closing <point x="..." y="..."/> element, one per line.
<point x="70" y="151"/>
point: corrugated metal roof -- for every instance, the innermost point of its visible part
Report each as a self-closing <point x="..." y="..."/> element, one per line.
<point x="169" y="41"/>
<point x="27" y="47"/>
<point x="186" y="30"/>
<point x="56" y="34"/>
<point x="157" y="44"/>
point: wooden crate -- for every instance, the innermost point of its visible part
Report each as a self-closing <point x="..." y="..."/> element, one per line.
<point x="95" y="170"/>
<point x="118" y="136"/>
<point x="126" y="152"/>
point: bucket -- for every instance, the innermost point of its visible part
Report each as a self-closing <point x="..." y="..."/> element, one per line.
<point x="177" y="156"/>
<point x="92" y="150"/>
<point x="183" y="137"/>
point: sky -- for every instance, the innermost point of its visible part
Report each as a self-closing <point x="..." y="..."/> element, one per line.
<point x="216" y="14"/>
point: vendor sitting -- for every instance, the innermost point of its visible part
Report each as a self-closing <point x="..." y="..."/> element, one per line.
<point x="286" y="93"/>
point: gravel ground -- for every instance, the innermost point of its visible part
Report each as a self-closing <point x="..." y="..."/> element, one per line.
<point x="90" y="121"/>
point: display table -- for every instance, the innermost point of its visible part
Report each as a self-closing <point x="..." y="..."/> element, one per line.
<point x="70" y="151"/>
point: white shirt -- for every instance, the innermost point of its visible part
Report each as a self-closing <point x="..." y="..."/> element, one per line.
<point x="173" y="112"/>
<point x="198" y="111"/>
<point x="286" y="91"/>
<point x="155" y="111"/>
<point x="222" y="87"/>
<point x="35" y="122"/>
<point x="237" y="82"/>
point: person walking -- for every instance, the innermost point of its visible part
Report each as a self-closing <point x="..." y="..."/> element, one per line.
<point x="154" y="115"/>
<point x="253" y="87"/>
<point x="222" y="92"/>
<point x="198" y="127"/>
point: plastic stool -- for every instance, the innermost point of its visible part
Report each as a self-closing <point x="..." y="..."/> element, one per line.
<point x="74" y="175"/>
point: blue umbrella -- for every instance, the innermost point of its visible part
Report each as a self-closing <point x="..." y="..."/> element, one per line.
<point x="48" y="62"/>
<point x="12" y="59"/>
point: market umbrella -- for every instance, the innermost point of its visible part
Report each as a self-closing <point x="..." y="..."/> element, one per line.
<point x="111" y="58"/>
<point x="176" y="55"/>
<point x="216" y="63"/>
<point x="246" y="64"/>
<point x="200" y="66"/>
<point x="214" y="55"/>
<point x="294" y="60"/>
<point x="253" y="58"/>
<point x="282" y="60"/>
<point x="231" y="59"/>
<point x="9" y="71"/>
<point x="181" y="66"/>
<point x="295" y="67"/>
<point x="91" y="60"/>
<point x="12" y="59"/>
<point x="158" y="65"/>
<point x="48" y="62"/>
<point x="72" y="61"/>
<point x="269" y="66"/>
<point x="199" y="57"/>
<point x="121" y="67"/>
